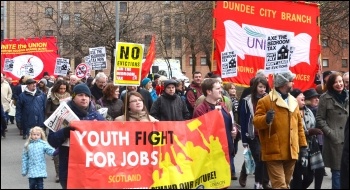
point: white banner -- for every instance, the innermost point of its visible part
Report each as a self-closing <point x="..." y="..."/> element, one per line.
<point x="98" y="58"/>
<point x="62" y="66"/>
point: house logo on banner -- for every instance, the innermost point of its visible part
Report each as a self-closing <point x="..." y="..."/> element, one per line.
<point x="81" y="70"/>
<point x="228" y="64"/>
<point x="98" y="58"/>
<point x="8" y="65"/>
<point x="62" y="66"/>
<point x="277" y="53"/>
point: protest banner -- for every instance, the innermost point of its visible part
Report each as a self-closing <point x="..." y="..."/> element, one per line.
<point x="31" y="56"/>
<point x="167" y="154"/>
<point x="61" y="67"/>
<point x="128" y="63"/>
<point x="98" y="58"/>
<point x="243" y="26"/>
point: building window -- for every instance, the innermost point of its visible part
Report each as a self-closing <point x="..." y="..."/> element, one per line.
<point x="48" y="12"/>
<point x="123" y="7"/>
<point x="147" y="19"/>
<point x="77" y="1"/>
<point x="191" y="61"/>
<point x="65" y="19"/>
<point x="48" y="32"/>
<point x="324" y="42"/>
<point x="98" y="17"/>
<point x="203" y="61"/>
<point x="325" y="63"/>
<point x="344" y="43"/>
<point x="77" y="19"/>
<point x="177" y="21"/>
<point x="2" y="35"/>
<point x="178" y="42"/>
<point x="168" y="41"/>
<point x="2" y="12"/>
<point x="344" y="63"/>
<point x="167" y="22"/>
<point x="148" y="39"/>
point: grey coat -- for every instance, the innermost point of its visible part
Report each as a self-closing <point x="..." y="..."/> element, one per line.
<point x="331" y="118"/>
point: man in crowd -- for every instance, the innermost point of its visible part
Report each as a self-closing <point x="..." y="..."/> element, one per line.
<point x="281" y="138"/>
<point x="30" y="108"/>
<point x="100" y="83"/>
<point x="6" y="95"/>
<point x="194" y="91"/>
<point x="346" y="80"/>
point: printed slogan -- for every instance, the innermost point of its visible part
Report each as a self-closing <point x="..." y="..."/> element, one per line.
<point x="158" y="155"/>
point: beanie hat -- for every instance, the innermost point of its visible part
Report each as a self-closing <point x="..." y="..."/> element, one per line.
<point x="81" y="88"/>
<point x="44" y="81"/>
<point x="260" y="73"/>
<point x="168" y="82"/>
<point x="295" y="92"/>
<point x="283" y="78"/>
<point x="145" y="81"/>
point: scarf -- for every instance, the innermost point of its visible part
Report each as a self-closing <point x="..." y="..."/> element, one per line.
<point x="168" y="96"/>
<point x="139" y="116"/>
<point x="30" y="92"/>
<point x="339" y="97"/>
<point x="56" y="97"/>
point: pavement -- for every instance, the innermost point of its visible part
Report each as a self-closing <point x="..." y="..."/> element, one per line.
<point x="11" y="178"/>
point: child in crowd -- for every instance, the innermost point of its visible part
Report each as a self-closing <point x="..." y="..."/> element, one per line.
<point x="33" y="157"/>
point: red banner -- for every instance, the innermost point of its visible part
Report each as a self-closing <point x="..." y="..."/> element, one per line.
<point x="31" y="56"/>
<point x="176" y="154"/>
<point x="242" y="27"/>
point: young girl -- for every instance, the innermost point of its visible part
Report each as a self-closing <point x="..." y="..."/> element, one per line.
<point x="33" y="157"/>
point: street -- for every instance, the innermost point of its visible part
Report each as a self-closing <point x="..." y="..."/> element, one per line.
<point x="11" y="178"/>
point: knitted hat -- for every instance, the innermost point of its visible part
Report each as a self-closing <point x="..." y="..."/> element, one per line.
<point x="145" y="81"/>
<point x="170" y="81"/>
<point x="310" y="93"/>
<point x="44" y="81"/>
<point x="260" y="73"/>
<point x="283" y="78"/>
<point x="295" y="92"/>
<point x="81" y="88"/>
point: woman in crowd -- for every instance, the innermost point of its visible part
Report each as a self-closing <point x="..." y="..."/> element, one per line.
<point x="110" y="100"/>
<point x="303" y="177"/>
<point x="332" y="113"/>
<point x="59" y="92"/>
<point x="136" y="109"/>
<point x="250" y="135"/>
<point x="311" y="102"/>
<point x="146" y="84"/>
<point x="42" y="86"/>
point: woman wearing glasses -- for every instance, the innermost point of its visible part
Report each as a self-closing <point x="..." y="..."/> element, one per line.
<point x="136" y="109"/>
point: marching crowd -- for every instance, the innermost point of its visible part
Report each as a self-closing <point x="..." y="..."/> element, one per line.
<point x="292" y="134"/>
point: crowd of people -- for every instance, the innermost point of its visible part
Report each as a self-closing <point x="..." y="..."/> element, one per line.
<point x="279" y="124"/>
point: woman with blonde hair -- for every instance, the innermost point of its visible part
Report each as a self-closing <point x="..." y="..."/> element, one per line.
<point x="136" y="109"/>
<point x="33" y="157"/>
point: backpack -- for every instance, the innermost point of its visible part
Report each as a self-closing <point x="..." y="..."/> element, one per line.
<point x="188" y="104"/>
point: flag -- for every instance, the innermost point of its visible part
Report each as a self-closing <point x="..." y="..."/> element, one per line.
<point x="151" y="54"/>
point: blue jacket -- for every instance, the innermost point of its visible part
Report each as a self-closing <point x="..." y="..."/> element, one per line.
<point x="33" y="158"/>
<point x="30" y="110"/>
<point x="57" y="138"/>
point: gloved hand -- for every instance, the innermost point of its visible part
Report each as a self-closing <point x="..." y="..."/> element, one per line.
<point x="66" y="131"/>
<point x="56" y="152"/>
<point x="315" y="131"/>
<point x="269" y="116"/>
<point x="303" y="157"/>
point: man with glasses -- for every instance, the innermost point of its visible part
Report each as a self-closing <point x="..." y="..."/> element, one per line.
<point x="100" y="83"/>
